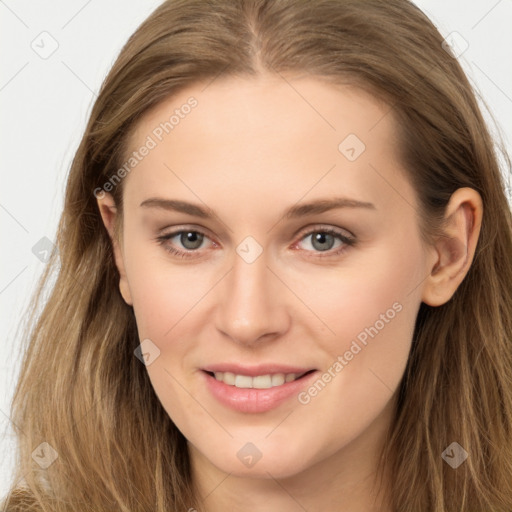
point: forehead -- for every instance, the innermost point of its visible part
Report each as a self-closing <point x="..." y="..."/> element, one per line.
<point x="269" y="134"/>
<point x="268" y="104"/>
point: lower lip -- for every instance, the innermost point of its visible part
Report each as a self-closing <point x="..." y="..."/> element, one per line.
<point x="255" y="400"/>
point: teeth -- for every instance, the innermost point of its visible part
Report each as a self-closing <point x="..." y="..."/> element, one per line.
<point x="258" y="382"/>
<point x="241" y="381"/>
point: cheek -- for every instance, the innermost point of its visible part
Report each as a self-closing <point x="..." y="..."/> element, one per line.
<point x="162" y="292"/>
<point x="371" y="313"/>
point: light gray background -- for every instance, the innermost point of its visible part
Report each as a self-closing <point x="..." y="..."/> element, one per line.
<point x="45" y="103"/>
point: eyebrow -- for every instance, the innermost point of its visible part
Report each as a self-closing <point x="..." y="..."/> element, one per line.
<point x="296" y="211"/>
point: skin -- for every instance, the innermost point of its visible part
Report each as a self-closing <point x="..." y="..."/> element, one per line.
<point x="249" y="150"/>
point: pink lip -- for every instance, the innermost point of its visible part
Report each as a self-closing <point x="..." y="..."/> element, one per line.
<point x="253" y="371"/>
<point x="251" y="400"/>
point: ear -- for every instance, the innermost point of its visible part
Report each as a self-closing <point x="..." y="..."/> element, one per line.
<point x="108" y="211"/>
<point x="454" y="250"/>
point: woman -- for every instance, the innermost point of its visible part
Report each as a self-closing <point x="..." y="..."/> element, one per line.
<point x="207" y="351"/>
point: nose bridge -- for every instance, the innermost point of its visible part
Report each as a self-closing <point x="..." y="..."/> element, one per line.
<point x="251" y="305"/>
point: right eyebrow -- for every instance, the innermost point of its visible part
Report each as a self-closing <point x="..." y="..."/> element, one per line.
<point x="178" y="206"/>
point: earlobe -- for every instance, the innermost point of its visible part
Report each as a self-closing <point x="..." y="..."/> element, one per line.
<point x="108" y="212"/>
<point x="455" y="249"/>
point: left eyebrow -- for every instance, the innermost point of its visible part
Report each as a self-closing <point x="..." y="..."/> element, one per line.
<point x="298" y="210"/>
<point x="323" y="205"/>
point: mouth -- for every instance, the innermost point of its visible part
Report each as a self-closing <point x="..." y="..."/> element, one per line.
<point x="266" y="389"/>
<point x="266" y="381"/>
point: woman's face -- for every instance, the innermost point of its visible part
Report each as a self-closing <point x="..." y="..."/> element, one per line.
<point x="269" y="230"/>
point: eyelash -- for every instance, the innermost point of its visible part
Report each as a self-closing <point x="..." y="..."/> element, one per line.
<point x="347" y="242"/>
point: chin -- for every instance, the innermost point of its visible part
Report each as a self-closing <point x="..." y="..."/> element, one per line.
<point x="269" y="462"/>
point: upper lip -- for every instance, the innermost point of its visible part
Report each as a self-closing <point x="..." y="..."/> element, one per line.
<point x="253" y="371"/>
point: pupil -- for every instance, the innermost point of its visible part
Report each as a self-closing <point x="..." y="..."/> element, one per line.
<point x="321" y="237"/>
<point x="193" y="238"/>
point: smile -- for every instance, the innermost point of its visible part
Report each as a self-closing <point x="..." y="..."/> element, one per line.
<point x="258" y="393"/>
<point x="258" y="382"/>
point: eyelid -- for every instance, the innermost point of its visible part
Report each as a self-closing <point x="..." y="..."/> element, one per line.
<point x="308" y="230"/>
<point x="176" y="230"/>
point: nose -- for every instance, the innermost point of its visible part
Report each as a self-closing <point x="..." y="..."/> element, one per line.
<point x="252" y="303"/>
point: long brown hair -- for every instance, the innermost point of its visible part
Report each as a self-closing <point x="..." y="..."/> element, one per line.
<point x="82" y="391"/>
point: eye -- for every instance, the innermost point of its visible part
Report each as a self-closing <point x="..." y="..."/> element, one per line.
<point x="323" y="240"/>
<point x="190" y="239"/>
